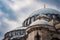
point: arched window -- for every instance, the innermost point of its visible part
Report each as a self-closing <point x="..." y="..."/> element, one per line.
<point x="30" y="21"/>
<point x="10" y="34"/>
<point x="26" y="22"/>
<point x="37" y="37"/>
<point x="55" y="39"/>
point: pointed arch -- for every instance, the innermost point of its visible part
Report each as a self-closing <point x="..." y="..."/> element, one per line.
<point x="37" y="37"/>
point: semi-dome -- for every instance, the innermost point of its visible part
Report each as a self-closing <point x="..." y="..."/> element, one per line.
<point x="42" y="13"/>
<point x="45" y="11"/>
<point x="16" y="33"/>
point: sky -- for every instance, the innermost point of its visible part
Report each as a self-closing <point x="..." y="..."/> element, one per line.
<point x="14" y="12"/>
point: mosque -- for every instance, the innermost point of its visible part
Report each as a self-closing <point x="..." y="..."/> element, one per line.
<point x="42" y="24"/>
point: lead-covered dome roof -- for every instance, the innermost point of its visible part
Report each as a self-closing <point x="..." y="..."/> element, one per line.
<point x="42" y="13"/>
<point x="45" y="11"/>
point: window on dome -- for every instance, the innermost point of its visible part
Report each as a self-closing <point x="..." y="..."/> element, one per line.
<point x="57" y="17"/>
<point x="32" y="19"/>
<point x="49" y="16"/>
<point x="7" y="35"/>
<point x="17" y="33"/>
<point x="24" y="23"/>
<point x="13" y="33"/>
<point x="36" y="17"/>
<point x="22" y="32"/>
<point x="28" y="21"/>
<point x="10" y="34"/>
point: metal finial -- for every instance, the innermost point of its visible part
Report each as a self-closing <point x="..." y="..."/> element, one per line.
<point x="44" y="6"/>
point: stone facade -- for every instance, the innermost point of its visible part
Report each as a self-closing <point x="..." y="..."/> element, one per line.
<point x="43" y="33"/>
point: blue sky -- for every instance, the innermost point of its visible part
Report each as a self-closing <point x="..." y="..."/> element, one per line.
<point x="14" y="12"/>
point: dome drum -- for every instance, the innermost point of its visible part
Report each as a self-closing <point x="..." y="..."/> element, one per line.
<point x="46" y="14"/>
<point x="47" y="17"/>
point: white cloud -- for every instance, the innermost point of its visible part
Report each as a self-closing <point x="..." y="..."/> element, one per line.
<point x="12" y="24"/>
<point x="22" y="18"/>
<point x="17" y="4"/>
<point x="2" y="14"/>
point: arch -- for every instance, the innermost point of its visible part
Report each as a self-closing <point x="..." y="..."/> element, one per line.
<point x="37" y="37"/>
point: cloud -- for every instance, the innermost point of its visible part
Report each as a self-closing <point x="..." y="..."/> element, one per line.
<point x="7" y="10"/>
<point x="17" y="4"/>
<point x="12" y="24"/>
